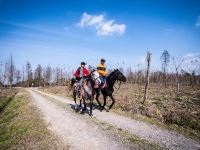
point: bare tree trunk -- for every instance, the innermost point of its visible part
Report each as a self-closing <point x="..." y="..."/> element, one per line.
<point x="147" y="77"/>
<point x="138" y="81"/>
<point x="10" y="71"/>
<point x="165" y="84"/>
<point x="177" y="81"/>
<point x="23" y="76"/>
<point x="177" y="66"/>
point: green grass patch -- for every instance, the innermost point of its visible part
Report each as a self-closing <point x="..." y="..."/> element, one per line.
<point x="7" y="127"/>
<point x="4" y="101"/>
<point x="22" y="127"/>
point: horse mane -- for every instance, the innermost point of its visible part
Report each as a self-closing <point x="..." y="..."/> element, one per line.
<point x="111" y="74"/>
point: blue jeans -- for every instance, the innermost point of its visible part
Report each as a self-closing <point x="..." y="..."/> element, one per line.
<point x="81" y="82"/>
<point x="102" y="78"/>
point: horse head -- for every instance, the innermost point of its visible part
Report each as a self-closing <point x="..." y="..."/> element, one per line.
<point x="119" y="75"/>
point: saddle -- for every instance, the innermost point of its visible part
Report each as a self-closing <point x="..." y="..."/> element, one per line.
<point x="102" y="85"/>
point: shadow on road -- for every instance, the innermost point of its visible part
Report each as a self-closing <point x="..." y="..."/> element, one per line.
<point x="77" y="108"/>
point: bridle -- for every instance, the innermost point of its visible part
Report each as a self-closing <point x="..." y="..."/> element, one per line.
<point x="117" y="88"/>
<point x="93" y="79"/>
<point x="120" y="82"/>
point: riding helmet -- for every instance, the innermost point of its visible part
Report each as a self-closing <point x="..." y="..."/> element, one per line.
<point x="103" y="60"/>
<point x="83" y="63"/>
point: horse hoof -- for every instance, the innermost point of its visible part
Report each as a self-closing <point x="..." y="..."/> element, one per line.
<point x="84" y="109"/>
<point x="82" y="112"/>
<point x="107" y="110"/>
<point x="76" y="107"/>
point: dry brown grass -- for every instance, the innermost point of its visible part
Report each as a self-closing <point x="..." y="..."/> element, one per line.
<point x="163" y="105"/>
<point x="59" y="90"/>
<point x="8" y="92"/>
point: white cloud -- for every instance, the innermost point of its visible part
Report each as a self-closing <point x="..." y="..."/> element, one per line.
<point x="189" y="58"/>
<point x="192" y="56"/>
<point x="103" y="26"/>
<point x="191" y="63"/>
<point x="89" y="20"/>
<point x="198" y="21"/>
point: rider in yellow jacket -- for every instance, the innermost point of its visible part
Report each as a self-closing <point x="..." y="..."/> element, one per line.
<point x="101" y="69"/>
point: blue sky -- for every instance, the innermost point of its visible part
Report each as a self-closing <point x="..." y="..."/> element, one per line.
<point x="66" y="32"/>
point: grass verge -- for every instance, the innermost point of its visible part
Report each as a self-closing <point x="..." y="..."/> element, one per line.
<point x="4" y="101"/>
<point x="22" y="126"/>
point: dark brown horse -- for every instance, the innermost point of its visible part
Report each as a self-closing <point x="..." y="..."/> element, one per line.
<point x="114" y="76"/>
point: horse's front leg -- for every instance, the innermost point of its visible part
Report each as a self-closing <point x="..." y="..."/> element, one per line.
<point x="74" y="96"/>
<point x="80" y="102"/>
<point x="97" y="98"/>
<point x="113" y="101"/>
<point x="84" y="108"/>
<point x="104" y="102"/>
<point x="91" y="105"/>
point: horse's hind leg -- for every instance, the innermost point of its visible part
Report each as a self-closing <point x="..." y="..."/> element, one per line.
<point x="74" y="96"/>
<point x="74" y="93"/>
<point x="113" y="101"/>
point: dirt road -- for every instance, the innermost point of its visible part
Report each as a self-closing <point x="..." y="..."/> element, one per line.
<point x="84" y="132"/>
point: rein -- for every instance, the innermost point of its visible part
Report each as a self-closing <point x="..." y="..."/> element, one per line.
<point x="117" y="88"/>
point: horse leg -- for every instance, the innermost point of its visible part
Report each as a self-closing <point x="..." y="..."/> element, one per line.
<point x="84" y="105"/>
<point x="97" y="98"/>
<point x="91" y="105"/>
<point x="74" y="99"/>
<point x="80" y="103"/>
<point x="104" y="102"/>
<point x="74" y="96"/>
<point x="76" y="105"/>
<point x="113" y="101"/>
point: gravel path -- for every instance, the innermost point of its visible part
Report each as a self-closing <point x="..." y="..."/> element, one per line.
<point x="170" y="139"/>
<point x="74" y="130"/>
